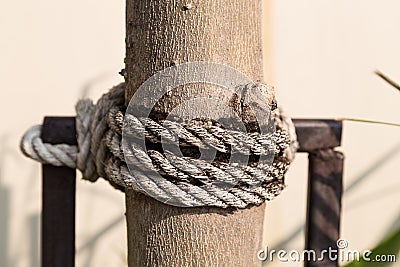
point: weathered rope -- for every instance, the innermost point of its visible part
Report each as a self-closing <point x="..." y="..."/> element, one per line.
<point x="189" y="181"/>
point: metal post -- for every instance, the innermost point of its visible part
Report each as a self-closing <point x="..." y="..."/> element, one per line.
<point x="325" y="175"/>
<point x="58" y="198"/>
<point x="324" y="206"/>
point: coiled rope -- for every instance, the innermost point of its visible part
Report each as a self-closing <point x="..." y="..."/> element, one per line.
<point x="189" y="180"/>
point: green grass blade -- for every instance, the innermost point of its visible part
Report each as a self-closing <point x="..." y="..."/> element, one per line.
<point x="388" y="246"/>
<point x="387" y="79"/>
<point x="369" y="121"/>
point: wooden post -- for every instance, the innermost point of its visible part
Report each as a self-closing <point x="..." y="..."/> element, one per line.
<point x="159" y="34"/>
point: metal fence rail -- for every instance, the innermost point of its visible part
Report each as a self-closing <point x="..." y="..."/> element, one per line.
<point x="318" y="138"/>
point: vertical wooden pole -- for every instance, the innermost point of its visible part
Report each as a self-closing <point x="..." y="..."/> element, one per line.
<point x="159" y="34"/>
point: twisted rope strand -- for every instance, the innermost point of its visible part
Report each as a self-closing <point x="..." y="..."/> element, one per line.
<point x="223" y="140"/>
<point x="171" y="178"/>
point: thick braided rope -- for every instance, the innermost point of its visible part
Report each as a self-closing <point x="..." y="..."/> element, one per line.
<point x="99" y="154"/>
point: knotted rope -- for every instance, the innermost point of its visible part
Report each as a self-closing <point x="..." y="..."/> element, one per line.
<point x="189" y="180"/>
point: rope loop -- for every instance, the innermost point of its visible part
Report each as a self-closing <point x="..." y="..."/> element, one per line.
<point x="192" y="181"/>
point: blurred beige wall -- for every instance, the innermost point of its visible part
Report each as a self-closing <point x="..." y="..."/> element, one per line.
<point x="322" y="58"/>
<point x="51" y="53"/>
<point x="320" y="55"/>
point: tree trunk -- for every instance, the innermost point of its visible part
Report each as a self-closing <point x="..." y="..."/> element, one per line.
<point x="160" y="34"/>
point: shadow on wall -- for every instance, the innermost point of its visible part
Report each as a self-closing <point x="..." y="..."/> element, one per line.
<point x="33" y="225"/>
<point x="34" y="230"/>
<point x="4" y="224"/>
<point x="362" y="177"/>
<point x="9" y="258"/>
<point x="10" y="252"/>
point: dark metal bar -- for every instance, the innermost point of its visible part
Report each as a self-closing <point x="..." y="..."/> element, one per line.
<point x="324" y="206"/>
<point x="325" y="175"/>
<point x="317" y="137"/>
<point x="58" y="200"/>
<point x="313" y="134"/>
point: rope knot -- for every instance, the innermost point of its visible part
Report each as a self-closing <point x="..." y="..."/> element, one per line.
<point x="185" y="178"/>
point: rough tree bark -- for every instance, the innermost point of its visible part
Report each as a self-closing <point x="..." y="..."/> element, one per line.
<point x="159" y="34"/>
